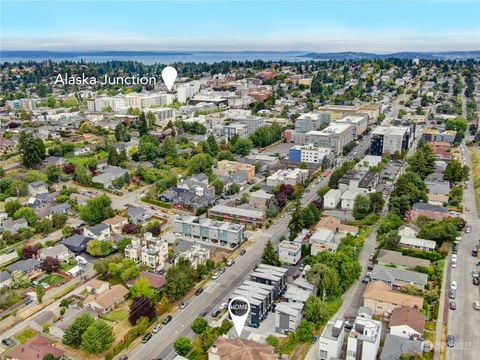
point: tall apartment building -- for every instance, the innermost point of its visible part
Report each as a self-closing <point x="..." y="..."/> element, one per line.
<point x="364" y="339"/>
<point x="389" y="140"/>
<point x="229" y="131"/>
<point x="187" y="91"/>
<point x="313" y="120"/>
<point x="123" y="103"/>
<point x="196" y="255"/>
<point x="148" y="251"/>
<point x="334" y="137"/>
<point x="226" y="233"/>
<point x="253" y="122"/>
<point x="162" y="115"/>
<point x="359" y="123"/>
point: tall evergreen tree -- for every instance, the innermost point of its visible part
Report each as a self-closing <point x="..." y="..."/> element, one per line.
<point x="142" y="126"/>
<point x="296" y="223"/>
<point x="269" y="256"/>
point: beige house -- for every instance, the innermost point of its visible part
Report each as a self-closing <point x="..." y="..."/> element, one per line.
<point x="260" y="198"/>
<point x="97" y="287"/>
<point x="108" y="300"/>
<point x="116" y="224"/>
<point x="379" y="297"/>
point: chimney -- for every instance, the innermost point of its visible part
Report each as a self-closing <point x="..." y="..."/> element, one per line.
<point x="214" y="349"/>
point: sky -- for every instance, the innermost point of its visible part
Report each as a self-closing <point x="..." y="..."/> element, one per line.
<point x="325" y="26"/>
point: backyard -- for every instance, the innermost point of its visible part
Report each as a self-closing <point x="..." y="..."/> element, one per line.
<point x="25" y="335"/>
<point x="51" y="279"/>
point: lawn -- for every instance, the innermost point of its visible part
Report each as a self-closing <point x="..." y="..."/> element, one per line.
<point x="475" y="153"/>
<point x="66" y="267"/>
<point x="51" y="279"/>
<point x="25" y="335"/>
<point x="119" y="314"/>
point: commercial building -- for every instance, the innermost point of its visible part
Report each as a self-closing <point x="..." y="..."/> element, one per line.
<point x="289" y="252"/>
<point x="313" y="120"/>
<point x="309" y="154"/>
<point x="387" y="140"/>
<point x="330" y="343"/>
<point x="243" y="216"/>
<point x="435" y="135"/>
<point x="364" y="339"/>
<point x="335" y="137"/>
<point x="226" y="233"/>
<point x="359" y="124"/>
<point x="288" y="176"/>
<point x="122" y="103"/>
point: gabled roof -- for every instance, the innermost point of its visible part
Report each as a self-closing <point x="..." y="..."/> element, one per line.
<point x="395" y="346"/>
<point x="390" y="274"/>
<point x="379" y="291"/>
<point x="24" y="265"/>
<point x="411" y="317"/>
<point x="421" y="206"/>
<point x="35" y="348"/>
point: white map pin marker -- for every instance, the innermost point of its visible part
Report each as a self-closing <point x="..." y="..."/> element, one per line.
<point x="239" y="308"/>
<point x="169" y="74"/>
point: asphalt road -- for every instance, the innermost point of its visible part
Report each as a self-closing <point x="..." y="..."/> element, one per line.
<point x="463" y="322"/>
<point x="216" y="291"/>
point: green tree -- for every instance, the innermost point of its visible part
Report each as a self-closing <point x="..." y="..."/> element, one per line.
<point x="361" y="206"/>
<point x="49" y="357"/>
<point x="99" y="248"/>
<point x="218" y="184"/>
<point x="455" y="172"/>
<point x="121" y="133"/>
<point x="125" y="269"/>
<point x="149" y="147"/>
<point x="19" y="280"/>
<point x="325" y="278"/>
<point x="213" y="147"/>
<point x="28" y="214"/>
<point x="183" y="345"/>
<point x="97" y="210"/>
<point x="73" y="334"/>
<point x="40" y="292"/>
<point x="142" y="126"/>
<point x="32" y="150"/>
<point x="200" y="163"/>
<point x="225" y="155"/>
<point x="82" y="175"/>
<point x="199" y="325"/>
<point x="296" y="222"/>
<point x="423" y="161"/>
<point x="316" y="310"/>
<point x="53" y="173"/>
<point x="376" y="202"/>
<point x="169" y="148"/>
<point x="97" y="338"/>
<point x="151" y="119"/>
<point x="269" y="256"/>
<point x="305" y="331"/>
<point x="113" y="157"/>
<point x="180" y="278"/>
<point x="141" y="288"/>
<point x="242" y="147"/>
<point x="12" y="206"/>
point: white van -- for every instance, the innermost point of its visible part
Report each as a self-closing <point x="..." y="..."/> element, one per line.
<point x="81" y="260"/>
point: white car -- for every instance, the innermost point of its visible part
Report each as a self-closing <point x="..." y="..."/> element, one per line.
<point x="216" y="276"/>
<point x="157" y="328"/>
<point x="453" y="285"/>
<point x="476" y="305"/>
<point x="223" y="305"/>
<point x="81" y="260"/>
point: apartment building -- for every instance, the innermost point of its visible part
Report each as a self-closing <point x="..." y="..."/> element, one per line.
<point x="226" y="233"/>
<point x="287" y="317"/>
<point x="243" y="216"/>
<point x="435" y="135"/>
<point x="388" y="140"/>
<point x="271" y="275"/>
<point x="289" y="252"/>
<point x="122" y="103"/>
<point x="313" y="120"/>
<point x="148" y="251"/>
<point x="253" y="122"/>
<point x="335" y="137"/>
<point x="163" y="115"/>
<point x="364" y="339"/>
<point x="288" y="176"/>
<point x="331" y="341"/>
<point x="359" y="124"/>
<point x="227" y="167"/>
<point x="309" y="154"/>
<point x="229" y="131"/>
<point x="187" y="91"/>
<point x="197" y="255"/>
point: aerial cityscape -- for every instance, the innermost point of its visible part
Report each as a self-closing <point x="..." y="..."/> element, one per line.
<point x="239" y="180"/>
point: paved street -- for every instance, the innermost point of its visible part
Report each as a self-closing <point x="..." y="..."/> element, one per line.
<point x="463" y="322"/>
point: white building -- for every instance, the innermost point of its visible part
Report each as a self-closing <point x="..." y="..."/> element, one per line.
<point x="335" y="137"/>
<point x="348" y="198"/>
<point x="323" y="240"/>
<point x="359" y="124"/>
<point x="364" y="337"/>
<point x="332" y="198"/>
<point x="288" y="317"/>
<point x="289" y="252"/>
<point x="197" y="255"/>
<point x="309" y="154"/>
<point x="187" y="91"/>
<point x="389" y="140"/>
<point x="162" y="115"/>
<point x="288" y="176"/>
<point x="330" y="343"/>
<point x="148" y="251"/>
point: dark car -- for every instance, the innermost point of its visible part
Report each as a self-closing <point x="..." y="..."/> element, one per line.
<point x="216" y="313"/>
<point x="366" y="279"/>
<point x="315" y="338"/>
<point x="146" y="338"/>
<point x="475" y="281"/>
<point x="203" y="314"/>
<point x="453" y="305"/>
<point x="452" y="294"/>
<point x="199" y="291"/>
<point x="124" y="357"/>
<point x="450" y="341"/>
<point x="167" y="319"/>
<point x="7" y="341"/>
<point x="243" y="252"/>
<point x="222" y="270"/>
<point x="348" y="325"/>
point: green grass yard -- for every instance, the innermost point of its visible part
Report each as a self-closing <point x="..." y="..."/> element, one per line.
<point x="51" y="279"/>
<point x="25" y="335"/>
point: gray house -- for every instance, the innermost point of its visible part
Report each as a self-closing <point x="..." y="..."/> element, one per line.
<point x="25" y="266"/>
<point x="398" y="278"/>
<point x="138" y="214"/>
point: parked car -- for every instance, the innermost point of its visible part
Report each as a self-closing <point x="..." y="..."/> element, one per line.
<point x="453" y="285"/>
<point x="216" y="313"/>
<point x="216" y="276"/>
<point x="371" y="257"/>
<point x="452" y="294"/>
<point x="8" y="342"/>
<point x="366" y="279"/>
<point x="157" y="328"/>
<point x="475" y="281"/>
<point x="475" y="273"/>
<point x="222" y="270"/>
<point x="450" y="341"/>
<point x="453" y="305"/>
<point x="203" y="314"/>
<point x="29" y="301"/>
<point x="468" y="229"/>
<point x="167" y="319"/>
<point x="146" y="338"/>
<point x="81" y="260"/>
<point x="243" y="252"/>
<point x="223" y="305"/>
<point x="476" y="305"/>
<point x="230" y="262"/>
<point x="315" y="338"/>
<point x="183" y="304"/>
<point x="199" y="291"/>
<point x="349" y="324"/>
<point x="124" y="357"/>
